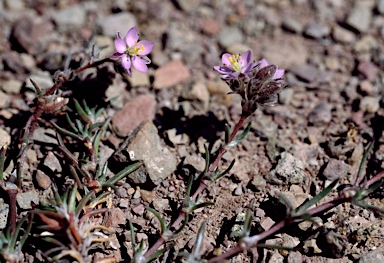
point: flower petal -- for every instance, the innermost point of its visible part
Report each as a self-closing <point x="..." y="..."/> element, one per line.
<point x="126" y="61"/>
<point x="245" y="58"/>
<point x="225" y="59"/>
<point x="139" y="64"/>
<point x="115" y="55"/>
<point x="120" y="45"/>
<point x="263" y="63"/>
<point x="278" y="74"/>
<point x="132" y="37"/>
<point x="147" y="47"/>
<point x="222" y="70"/>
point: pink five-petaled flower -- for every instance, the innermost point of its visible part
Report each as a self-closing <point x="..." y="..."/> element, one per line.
<point x="234" y="65"/>
<point x="132" y="52"/>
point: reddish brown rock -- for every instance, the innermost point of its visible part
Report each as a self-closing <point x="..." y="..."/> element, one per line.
<point x="171" y="74"/>
<point x="133" y="113"/>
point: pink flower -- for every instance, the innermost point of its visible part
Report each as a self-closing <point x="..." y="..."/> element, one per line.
<point x="132" y="52"/>
<point x="234" y="65"/>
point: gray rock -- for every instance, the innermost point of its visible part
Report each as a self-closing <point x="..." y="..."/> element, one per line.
<point x="24" y="200"/>
<point x="293" y="25"/>
<point x="289" y="170"/>
<point x="52" y="162"/>
<point x="4" y="210"/>
<point x="14" y="5"/>
<point x="375" y="256"/>
<point x="70" y="17"/>
<point x="320" y="114"/>
<point x="380" y="6"/>
<point x="5" y="138"/>
<point x="42" y="78"/>
<point x="145" y="145"/>
<point x="370" y="104"/>
<point x="5" y="100"/>
<point x="196" y="161"/>
<point x="285" y="96"/>
<point x="120" y="22"/>
<point x="45" y="135"/>
<point x="360" y="16"/>
<point x="229" y="36"/>
<point x="176" y="138"/>
<point x="199" y="93"/>
<point x="317" y="30"/>
<point x="306" y="72"/>
<point x="12" y="86"/>
<point x="258" y="183"/>
<point x="336" y="169"/>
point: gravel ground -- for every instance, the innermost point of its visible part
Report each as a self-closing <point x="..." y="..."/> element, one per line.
<point x="332" y="109"/>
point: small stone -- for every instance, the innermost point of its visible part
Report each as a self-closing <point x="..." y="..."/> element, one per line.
<point x="4" y="210"/>
<point x="374" y="256"/>
<point x="380" y="6"/>
<point x="45" y="135"/>
<point x="124" y="203"/>
<point x="199" y="92"/>
<point x="158" y="161"/>
<point x="120" y="22"/>
<point x="311" y="246"/>
<point x="52" y="162"/>
<point x="258" y="183"/>
<point x="306" y="72"/>
<point x="137" y="194"/>
<point x="229" y="36"/>
<point x="294" y="257"/>
<point x="43" y="180"/>
<point x="147" y="196"/>
<point x="131" y="191"/>
<point x="368" y="70"/>
<point x="5" y="138"/>
<point x="43" y="80"/>
<point x="14" y="5"/>
<point x="370" y="104"/>
<point x="360" y="16"/>
<point x="12" y="86"/>
<point x="121" y="192"/>
<point x="139" y="79"/>
<point x="5" y="100"/>
<point x="285" y="96"/>
<point x="293" y="25"/>
<point x="160" y="204"/>
<point x="175" y="138"/>
<point x="238" y="191"/>
<point x="365" y="44"/>
<point x="367" y="87"/>
<point x="115" y="217"/>
<point x="343" y="35"/>
<point x="196" y="161"/>
<point x="336" y="169"/>
<point x="267" y="223"/>
<point x="139" y="210"/>
<point x="317" y="30"/>
<point x="71" y="17"/>
<point x="171" y="74"/>
<point x="288" y="170"/>
<point x="25" y="199"/>
<point x="210" y="27"/>
<point x="320" y="114"/>
<point x="134" y="112"/>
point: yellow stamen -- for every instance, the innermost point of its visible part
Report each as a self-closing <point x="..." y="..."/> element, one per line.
<point x="234" y="60"/>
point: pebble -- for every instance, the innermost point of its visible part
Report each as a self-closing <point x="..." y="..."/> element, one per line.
<point x="198" y="92"/>
<point x="195" y="161"/>
<point x="321" y="114"/>
<point x="176" y="68"/>
<point x="158" y="161"/>
<point x="293" y="25"/>
<point x="258" y="183"/>
<point x="124" y="203"/>
<point x="52" y="162"/>
<point x="5" y="138"/>
<point x="5" y="100"/>
<point x="4" y="210"/>
<point x="136" y="111"/>
<point x="306" y="72"/>
<point x="370" y="104"/>
<point x="139" y="79"/>
<point x="367" y="87"/>
<point x="380" y="6"/>
<point x="42" y="79"/>
<point x="210" y="26"/>
<point x="120" y="22"/>
<point x="368" y="70"/>
<point x="115" y="217"/>
<point x="12" y="86"/>
<point x="160" y="204"/>
<point x="139" y="210"/>
<point x="360" y="16"/>
<point x="229" y="36"/>
<point x="45" y="135"/>
<point x="366" y="44"/>
<point x="336" y="169"/>
<point x="43" y="180"/>
<point x="24" y="200"/>
<point x="176" y="138"/>
<point x="317" y="30"/>
<point x="289" y="170"/>
<point x="343" y="35"/>
<point x="70" y="17"/>
<point x="374" y="256"/>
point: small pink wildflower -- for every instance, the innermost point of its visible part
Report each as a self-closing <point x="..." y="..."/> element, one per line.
<point x="235" y="65"/>
<point x="132" y="52"/>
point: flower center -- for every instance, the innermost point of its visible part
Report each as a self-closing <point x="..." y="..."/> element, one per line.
<point x="135" y="50"/>
<point x="234" y="60"/>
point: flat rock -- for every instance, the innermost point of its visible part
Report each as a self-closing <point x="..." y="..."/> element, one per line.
<point x="289" y="170"/>
<point x="5" y="100"/>
<point x="360" y="16"/>
<point x="368" y="70"/>
<point x="343" y="35"/>
<point x="306" y="72"/>
<point x="5" y="138"/>
<point x="320" y="114"/>
<point x="158" y="161"/>
<point x="317" y="30"/>
<point x="133" y="113"/>
<point x="25" y="199"/>
<point x="374" y="256"/>
<point x="171" y="74"/>
<point x="229" y="36"/>
<point x="336" y="169"/>
<point x="70" y="17"/>
<point x="12" y="86"/>
<point x="120" y="22"/>
<point x="370" y="104"/>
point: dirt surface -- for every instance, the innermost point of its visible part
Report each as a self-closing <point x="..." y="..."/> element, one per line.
<point x="332" y="109"/>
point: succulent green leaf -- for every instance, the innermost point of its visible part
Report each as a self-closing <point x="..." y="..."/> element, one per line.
<point x="163" y="222"/>
<point x="207" y="159"/>
<point x="127" y="170"/>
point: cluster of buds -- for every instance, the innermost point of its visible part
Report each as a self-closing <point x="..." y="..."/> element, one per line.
<point x="256" y="82"/>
